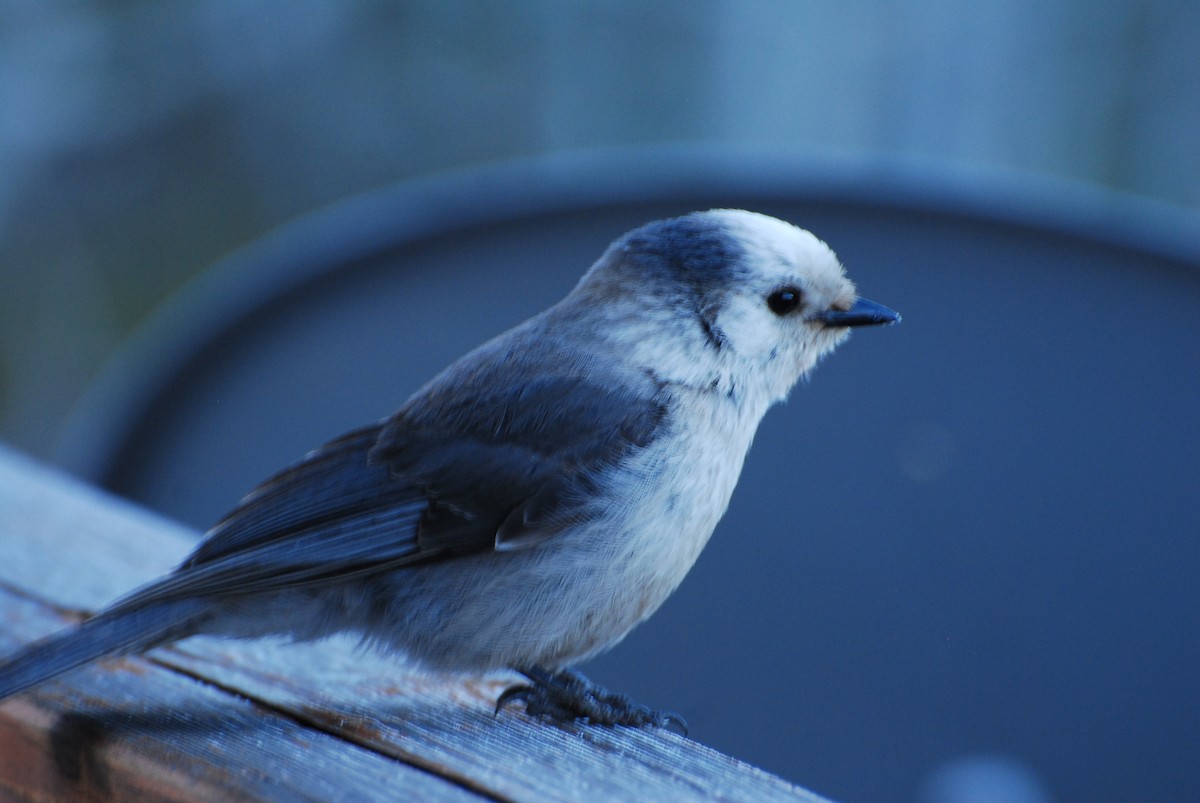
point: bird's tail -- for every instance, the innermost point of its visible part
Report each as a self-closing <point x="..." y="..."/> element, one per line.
<point x="117" y="631"/>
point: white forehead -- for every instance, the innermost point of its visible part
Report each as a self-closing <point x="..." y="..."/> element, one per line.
<point x="777" y="245"/>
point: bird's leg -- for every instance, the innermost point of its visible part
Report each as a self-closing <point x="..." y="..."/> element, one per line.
<point x="566" y="695"/>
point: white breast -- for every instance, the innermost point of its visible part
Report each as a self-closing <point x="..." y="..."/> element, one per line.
<point x="671" y="516"/>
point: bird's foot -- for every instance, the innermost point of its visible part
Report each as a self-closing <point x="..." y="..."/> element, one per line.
<point x="566" y="695"/>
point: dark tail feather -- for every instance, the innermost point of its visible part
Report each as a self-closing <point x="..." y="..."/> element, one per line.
<point x="118" y="631"/>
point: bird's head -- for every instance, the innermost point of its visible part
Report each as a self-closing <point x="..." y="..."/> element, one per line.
<point x="727" y="299"/>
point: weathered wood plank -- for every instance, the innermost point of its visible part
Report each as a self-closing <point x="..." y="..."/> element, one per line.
<point x="133" y="730"/>
<point x="212" y="719"/>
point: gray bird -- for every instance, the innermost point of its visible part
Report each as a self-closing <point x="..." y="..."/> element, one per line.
<point x="539" y="498"/>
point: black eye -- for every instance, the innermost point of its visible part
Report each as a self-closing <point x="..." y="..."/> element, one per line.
<point x="784" y="300"/>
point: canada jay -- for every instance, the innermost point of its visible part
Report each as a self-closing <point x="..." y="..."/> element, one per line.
<point x="536" y="500"/>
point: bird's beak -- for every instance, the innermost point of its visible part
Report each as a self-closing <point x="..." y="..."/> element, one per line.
<point x="863" y="313"/>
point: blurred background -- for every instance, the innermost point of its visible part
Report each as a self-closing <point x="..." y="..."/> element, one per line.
<point x="141" y="142"/>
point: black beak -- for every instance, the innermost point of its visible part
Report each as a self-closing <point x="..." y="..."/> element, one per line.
<point x="863" y="313"/>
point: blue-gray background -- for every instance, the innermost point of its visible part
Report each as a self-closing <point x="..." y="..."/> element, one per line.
<point x="140" y="142"/>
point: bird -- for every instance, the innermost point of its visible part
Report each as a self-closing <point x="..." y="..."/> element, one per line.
<point x="536" y="500"/>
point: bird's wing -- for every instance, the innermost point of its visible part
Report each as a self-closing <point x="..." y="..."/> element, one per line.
<point x="507" y="470"/>
<point x="469" y="472"/>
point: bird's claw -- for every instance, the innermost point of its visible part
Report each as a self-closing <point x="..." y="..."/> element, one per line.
<point x="566" y="696"/>
<point x="518" y="693"/>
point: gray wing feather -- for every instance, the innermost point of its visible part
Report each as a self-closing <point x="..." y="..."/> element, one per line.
<point x="511" y="469"/>
<point x="479" y="468"/>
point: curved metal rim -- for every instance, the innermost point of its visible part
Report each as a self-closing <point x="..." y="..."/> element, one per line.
<point x="314" y="244"/>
